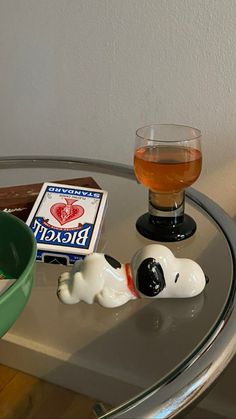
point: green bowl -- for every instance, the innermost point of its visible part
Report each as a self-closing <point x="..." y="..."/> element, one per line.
<point x="17" y="260"/>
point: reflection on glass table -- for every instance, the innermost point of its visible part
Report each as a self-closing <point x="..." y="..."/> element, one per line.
<point x="146" y="358"/>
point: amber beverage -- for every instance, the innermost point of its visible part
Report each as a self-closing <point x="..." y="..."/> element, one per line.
<point x="167" y="169"/>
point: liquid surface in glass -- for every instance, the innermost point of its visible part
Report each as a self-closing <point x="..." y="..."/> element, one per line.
<point x="167" y="168"/>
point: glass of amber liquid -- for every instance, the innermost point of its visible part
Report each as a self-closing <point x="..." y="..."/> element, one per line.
<point x="167" y="160"/>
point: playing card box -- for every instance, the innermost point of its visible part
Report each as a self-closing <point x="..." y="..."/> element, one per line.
<point x="66" y="221"/>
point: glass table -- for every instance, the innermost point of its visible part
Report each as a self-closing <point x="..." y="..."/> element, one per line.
<point x="146" y="358"/>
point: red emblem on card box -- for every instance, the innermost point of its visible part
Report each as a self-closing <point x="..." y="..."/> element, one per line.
<point x="64" y="213"/>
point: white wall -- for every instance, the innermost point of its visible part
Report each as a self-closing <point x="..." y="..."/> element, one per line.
<point x="77" y="77"/>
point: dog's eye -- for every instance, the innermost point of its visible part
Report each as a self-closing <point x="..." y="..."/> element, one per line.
<point x="113" y="262"/>
<point x="150" y="278"/>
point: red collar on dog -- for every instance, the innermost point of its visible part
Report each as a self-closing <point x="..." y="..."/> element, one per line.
<point x="130" y="282"/>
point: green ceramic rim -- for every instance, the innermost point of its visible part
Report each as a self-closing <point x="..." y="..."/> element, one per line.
<point x="28" y="269"/>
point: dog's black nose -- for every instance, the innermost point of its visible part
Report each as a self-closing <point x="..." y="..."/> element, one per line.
<point x="150" y="279"/>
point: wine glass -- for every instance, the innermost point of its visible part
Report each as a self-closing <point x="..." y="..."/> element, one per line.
<point x="167" y="159"/>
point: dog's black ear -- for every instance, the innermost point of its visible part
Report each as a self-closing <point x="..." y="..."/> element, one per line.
<point x="150" y="279"/>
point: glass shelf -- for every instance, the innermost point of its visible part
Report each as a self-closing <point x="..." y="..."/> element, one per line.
<point x="147" y="357"/>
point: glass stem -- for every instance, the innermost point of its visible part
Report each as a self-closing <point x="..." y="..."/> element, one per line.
<point x="166" y="208"/>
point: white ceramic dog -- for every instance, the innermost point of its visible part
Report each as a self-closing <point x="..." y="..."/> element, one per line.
<point x="154" y="272"/>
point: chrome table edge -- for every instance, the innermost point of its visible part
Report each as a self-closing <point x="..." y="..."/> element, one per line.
<point x="191" y="379"/>
<point x="69" y="162"/>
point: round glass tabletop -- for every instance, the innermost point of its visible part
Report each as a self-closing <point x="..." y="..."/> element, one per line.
<point x="146" y="358"/>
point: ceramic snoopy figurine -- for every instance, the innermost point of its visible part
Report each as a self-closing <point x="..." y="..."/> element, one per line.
<point x="154" y="272"/>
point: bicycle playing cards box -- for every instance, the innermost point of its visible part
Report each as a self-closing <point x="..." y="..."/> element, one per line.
<point x="66" y="221"/>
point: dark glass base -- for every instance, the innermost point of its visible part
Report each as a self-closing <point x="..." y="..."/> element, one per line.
<point x="151" y="228"/>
